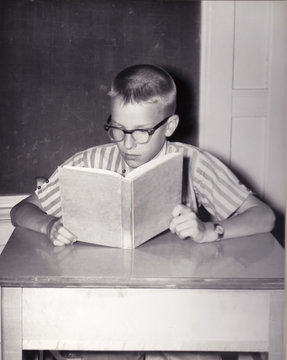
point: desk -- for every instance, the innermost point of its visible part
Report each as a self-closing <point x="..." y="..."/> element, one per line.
<point x="168" y="294"/>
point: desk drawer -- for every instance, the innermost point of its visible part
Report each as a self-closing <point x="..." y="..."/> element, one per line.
<point x="146" y="319"/>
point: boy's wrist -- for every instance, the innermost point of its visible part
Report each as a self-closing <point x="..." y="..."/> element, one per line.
<point x="211" y="234"/>
<point x="50" y="221"/>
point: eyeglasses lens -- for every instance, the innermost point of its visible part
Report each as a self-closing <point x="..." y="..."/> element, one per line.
<point x="116" y="134"/>
<point x="140" y="136"/>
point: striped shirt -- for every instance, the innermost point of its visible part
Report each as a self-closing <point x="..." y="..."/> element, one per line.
<point x="207" y="181"/>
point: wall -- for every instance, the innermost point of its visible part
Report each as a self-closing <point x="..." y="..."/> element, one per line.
<point x="57" y="61"/>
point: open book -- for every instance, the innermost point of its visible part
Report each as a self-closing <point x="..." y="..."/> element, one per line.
<point x="102" y="207"/>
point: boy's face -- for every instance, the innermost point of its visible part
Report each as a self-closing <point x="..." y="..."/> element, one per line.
<point x="138" y="116"/>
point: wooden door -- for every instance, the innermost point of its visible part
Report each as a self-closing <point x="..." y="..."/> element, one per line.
<point x="243" y="91"/>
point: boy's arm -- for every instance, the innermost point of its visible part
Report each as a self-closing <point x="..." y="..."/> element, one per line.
<point x="252" y="217"/>
<point x="29" y="214"/>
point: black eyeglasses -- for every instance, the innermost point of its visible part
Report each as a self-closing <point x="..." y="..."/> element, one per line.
<point x="141" y="136"/>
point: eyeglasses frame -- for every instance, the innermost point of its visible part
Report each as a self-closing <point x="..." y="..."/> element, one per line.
<point x="151" y="131"/>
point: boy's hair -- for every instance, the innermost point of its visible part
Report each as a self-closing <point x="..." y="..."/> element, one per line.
<point x="145" y="83"/>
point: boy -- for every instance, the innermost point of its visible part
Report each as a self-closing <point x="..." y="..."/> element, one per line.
<point x="143" y="104"/>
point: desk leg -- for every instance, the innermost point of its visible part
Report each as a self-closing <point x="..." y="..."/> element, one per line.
<point x="11" y="323"/>
<point x="276" y="327"/>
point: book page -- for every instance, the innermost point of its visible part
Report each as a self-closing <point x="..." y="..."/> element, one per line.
<point x="150" y="165"/>
<point x="91" y="204"/>
<point x="155" y="194"/>
<point x="93" y="170"/>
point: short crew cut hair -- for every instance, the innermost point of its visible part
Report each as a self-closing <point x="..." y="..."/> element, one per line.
<point x="145" y="83"/>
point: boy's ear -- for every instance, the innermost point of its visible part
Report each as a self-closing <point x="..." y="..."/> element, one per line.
<point x="172" y="123"/>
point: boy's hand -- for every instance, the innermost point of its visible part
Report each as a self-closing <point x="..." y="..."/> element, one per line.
<point x="186" y="224"/>
<point x="59" y="235"/>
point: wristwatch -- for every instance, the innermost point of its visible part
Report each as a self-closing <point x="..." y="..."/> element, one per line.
<point x="219" y="229"/>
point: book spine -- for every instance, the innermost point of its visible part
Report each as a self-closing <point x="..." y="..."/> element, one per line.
<point x="127" y="215"/>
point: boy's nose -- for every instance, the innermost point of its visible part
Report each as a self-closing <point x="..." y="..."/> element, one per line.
<point x="129" y="142"/>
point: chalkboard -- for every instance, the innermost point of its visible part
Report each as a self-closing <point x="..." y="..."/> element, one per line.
<point x="57" y="59"/>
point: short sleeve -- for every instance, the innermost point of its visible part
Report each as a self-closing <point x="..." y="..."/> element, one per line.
<point x="216" y="187"/>
<point x="49" y="196"/>
<point x="49" y="193"/>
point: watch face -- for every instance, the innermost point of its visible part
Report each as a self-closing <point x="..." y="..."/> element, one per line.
<point x="219" y="229"/>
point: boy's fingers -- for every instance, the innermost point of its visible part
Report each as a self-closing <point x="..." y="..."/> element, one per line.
<point x="63" y="239"/>
<point x="61" y="236"/>
<point x="183" y="217"/>
<point x="174" y="222"/>
<point x="177" y="210"/>
<point x="58" y="243"/>
<point x="187" y="225"/>
<point x="66" y="233"/>
<point x="180" y="210"/>
<point x="187" y="217"/>
<point x="187" y="229"/>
